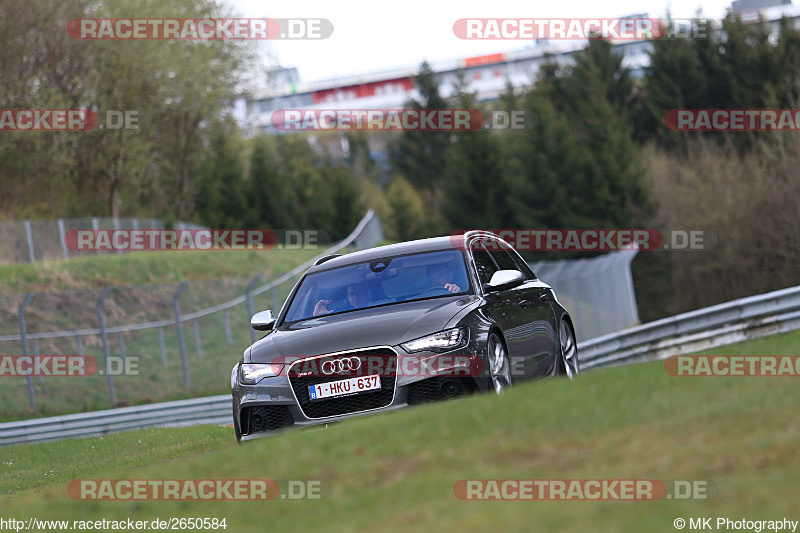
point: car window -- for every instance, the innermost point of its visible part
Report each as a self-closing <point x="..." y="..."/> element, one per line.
<point x="484" y="263"/>
<point x="520" y="263"/>
<point x="504" y="260"/>
<point x="382" y="281"/>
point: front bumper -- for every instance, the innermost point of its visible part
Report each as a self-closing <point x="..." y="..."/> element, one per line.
<point x="282" y="401"/>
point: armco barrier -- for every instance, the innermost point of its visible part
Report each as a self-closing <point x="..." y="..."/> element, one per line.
<point x="755" y="316"/>
<point x="209" y="410"/>
<point x="734" y="321"/>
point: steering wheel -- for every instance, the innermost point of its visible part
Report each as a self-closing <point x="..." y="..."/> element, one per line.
<point x="433" y="291"/>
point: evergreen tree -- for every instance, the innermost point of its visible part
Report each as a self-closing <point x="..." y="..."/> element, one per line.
<point x="268" y="200"/>
<point x="407" y="213"/>
<point x="474" y="183"/>
<point x="420" y="155"/>
<point x="346" y="206"/>
<point x="220" y="196"/>
<point x="578" y="165"/>
<point x="545" y="163"/>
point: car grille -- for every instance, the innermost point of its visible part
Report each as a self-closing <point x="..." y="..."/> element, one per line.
<point x="382" y="361"/>
<point x="265" y="418"/>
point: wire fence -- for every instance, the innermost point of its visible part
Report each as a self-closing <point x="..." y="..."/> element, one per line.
<point x="598" y="291"/>
<point x="151" y="343"/>
<point x="29" y="241"/>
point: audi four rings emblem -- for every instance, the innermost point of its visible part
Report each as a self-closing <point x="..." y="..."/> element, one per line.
<point x="338" y="366"/>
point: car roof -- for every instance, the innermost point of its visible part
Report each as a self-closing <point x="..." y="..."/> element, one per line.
<point x="433" y="244"/>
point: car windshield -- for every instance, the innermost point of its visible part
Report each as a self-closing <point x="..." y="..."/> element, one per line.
<point x="381" y="281"/>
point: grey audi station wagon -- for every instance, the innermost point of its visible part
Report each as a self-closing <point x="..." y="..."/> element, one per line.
<point x="398" y="325"/>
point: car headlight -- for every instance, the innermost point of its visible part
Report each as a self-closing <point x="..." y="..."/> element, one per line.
<point x="444" y="341"/>
<point x="251" y="373"/>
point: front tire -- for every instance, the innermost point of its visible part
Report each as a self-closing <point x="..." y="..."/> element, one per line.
<point x="236" y="428"/>
<point x="499" y="366"/>
<point x="570" y="365"/>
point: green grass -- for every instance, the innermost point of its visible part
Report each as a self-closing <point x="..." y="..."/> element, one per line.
<point x="24" y="471"/>
<point x="396" y="471"/>
<point x="147" y="268"/>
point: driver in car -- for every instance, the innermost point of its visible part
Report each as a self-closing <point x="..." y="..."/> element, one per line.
<point x="442" y="278"/>
<point x="356" y="298"/>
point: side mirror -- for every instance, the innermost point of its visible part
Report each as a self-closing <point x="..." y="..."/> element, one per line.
<point x="263" y="321"/>
<point x="505" y="279"/>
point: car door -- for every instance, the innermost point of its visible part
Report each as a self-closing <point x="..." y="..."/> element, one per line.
<point x="534" y="327"/>
<point x="500" y="307"/>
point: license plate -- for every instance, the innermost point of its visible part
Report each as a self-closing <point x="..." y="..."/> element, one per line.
<point x="344" y="387"/>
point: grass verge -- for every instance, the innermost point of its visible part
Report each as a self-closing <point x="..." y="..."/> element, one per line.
<point x="144" y="268"/>
<point x="396" y="471"/>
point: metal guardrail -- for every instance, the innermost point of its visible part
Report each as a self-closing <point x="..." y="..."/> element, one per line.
<point x="208" y="410"/>
<point x="751" y="317"/>
<point x="702" y="329"/>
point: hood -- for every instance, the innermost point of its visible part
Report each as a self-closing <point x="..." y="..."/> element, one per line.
<point x="388" y="325"/>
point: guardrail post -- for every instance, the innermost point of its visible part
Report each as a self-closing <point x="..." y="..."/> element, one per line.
<point x="62" y="238"/>
<point x="163" y="347"/>
<point x="39" y="378"/>
<point x="115" y="221"/>
<point x="95" y="229"/>
<point x="79" y="342"/>
<point x="29" y="238"/>
<point x="24" y="338"/>
<point x="274" y="292"/>
<point x="197" y="345"/>
<point x="176" y="307"/>
<point x="226" y="319"/>
<point x="250" y="307"/>
<point x="122" y="347"/>
<point x="101" y="318"/>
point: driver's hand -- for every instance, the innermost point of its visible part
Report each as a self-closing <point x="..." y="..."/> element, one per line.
<point x="321" y="308"/>
<point x="452" y="287"/>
